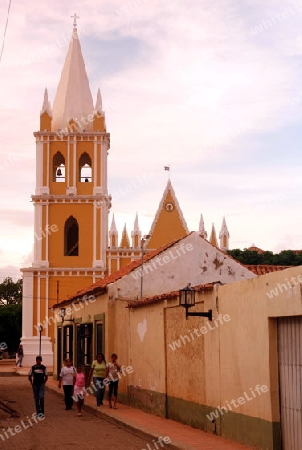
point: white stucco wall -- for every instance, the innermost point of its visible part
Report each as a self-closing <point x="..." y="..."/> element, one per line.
<point x="192" y="260"/>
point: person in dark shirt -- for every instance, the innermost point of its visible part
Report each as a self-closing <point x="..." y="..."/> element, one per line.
<point x="37" y="377"/>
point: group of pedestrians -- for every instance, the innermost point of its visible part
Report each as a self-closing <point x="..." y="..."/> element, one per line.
<point x="101" y="371"/>
<point x="74" y="382"/>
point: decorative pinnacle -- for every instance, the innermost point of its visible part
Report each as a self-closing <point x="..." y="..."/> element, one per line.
<point x="75" y="17"/>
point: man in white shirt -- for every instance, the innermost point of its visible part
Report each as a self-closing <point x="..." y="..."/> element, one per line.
<point x="67" y="375"/>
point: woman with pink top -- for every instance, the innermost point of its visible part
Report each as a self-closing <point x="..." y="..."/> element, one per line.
<point x="79" y="386"/>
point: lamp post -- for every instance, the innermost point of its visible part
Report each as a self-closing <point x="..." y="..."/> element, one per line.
<point x="187" y="300"/>
<point x="40" y="329"/>
<point x="144" y="239"/>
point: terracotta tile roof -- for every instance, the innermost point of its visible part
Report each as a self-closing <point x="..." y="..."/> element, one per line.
<point x="167" y="296"/>
<point x="262" y="269"/>
<point x="100" y="285"/>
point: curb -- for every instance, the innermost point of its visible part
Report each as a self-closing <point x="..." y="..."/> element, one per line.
<point x="136" y="430"/>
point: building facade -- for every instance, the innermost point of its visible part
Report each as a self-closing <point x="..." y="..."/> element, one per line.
<point x="72" y="245"/>
<point x="237" y="376"/>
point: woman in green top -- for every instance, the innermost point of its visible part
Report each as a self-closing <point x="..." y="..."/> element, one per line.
<point x="98" y="372"/>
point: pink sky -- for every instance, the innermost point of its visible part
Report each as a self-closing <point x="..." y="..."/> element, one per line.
<point x="213" y="89"/>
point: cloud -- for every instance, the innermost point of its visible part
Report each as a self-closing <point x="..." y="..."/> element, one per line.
<point x="183" y="82"/>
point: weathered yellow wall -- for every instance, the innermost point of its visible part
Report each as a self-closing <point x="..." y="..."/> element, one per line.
<point x="224" y="360"/>
<point x="185" y="365"/>
<point x="248" y="342"/>
<point x="147" y="348"/>
<point x="236" y="355"/>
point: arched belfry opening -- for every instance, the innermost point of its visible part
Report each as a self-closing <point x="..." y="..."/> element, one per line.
<point x="58" y="168"/>
<point x="71" y="237"/>
<point x="85" y="169"/>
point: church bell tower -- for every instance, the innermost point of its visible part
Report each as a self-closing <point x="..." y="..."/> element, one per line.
<point x="71" y="202"/>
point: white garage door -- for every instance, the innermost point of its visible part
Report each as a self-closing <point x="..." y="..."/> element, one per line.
<point x="290" y="363"/>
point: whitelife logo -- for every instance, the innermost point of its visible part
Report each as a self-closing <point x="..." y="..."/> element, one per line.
<point x="221" y="319"/>
<point x="241" y="401"/>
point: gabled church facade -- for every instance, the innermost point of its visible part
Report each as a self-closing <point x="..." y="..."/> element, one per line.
<point x="73" y="247"/>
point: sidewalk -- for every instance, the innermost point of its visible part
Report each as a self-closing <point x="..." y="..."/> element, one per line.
<point x="182" y="436"/>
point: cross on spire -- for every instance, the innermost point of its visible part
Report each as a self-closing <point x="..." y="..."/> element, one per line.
<point x="75" y="17"/>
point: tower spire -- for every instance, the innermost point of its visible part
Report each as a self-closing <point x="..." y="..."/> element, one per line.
<point x="113" y="234"/>
<point x="202" y="230"/>
<point x="136" y="234"/>
<point x="224" y="236"/>
<point x="125" y="243"/>
<point x="73" y="99"/>
<point x="213" y="238"/>
<point x="46" y="107"/>
<point x="99" y="103"/>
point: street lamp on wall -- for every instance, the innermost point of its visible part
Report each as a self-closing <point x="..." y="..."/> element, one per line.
<point x="187" y="300"/>
<point x="40" y="329"/>
<point x="62" y="313"/>
<point x="144" y="239"/>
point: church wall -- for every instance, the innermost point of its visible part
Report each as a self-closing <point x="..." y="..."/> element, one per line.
<point x="98" y="221"/>
<point x="45" y="163"/>
<point x="41" y="235"/>
<point x="58" y="214"/>
<point x="168" y="227"/>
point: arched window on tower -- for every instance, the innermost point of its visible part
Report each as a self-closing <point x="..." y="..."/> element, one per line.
<point x="85" y="170"/>
<point x="58" y="168"/>
<point x="71" y="237"/>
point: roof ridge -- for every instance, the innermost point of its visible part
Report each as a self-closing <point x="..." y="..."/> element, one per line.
<point x="103" y="282"/>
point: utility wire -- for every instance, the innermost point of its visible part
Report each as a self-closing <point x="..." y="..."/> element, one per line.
<point x="5" y="29"/>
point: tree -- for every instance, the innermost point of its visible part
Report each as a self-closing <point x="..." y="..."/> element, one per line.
<point x="10" y="292"/>
<point x="10" y="326"/>
<point x="10" y="313"/>
<point x="284" y="258"/>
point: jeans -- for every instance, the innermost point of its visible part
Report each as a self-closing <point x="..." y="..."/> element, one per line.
<point x="100" y="390"/>
<point x="68" y="392"/>
<point x="20" y="358"/>
<point x="38" y="390"/>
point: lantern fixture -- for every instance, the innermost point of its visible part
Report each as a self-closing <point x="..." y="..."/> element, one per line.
<point x="187" y="300"/>
<point x="62" y="313"/>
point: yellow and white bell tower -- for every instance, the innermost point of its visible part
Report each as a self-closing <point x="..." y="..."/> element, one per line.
<point x="71" y="202"/>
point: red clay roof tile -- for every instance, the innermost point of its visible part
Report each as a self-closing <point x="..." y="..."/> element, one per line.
<point x="262" y="269"/>
<point x="167" y="296"/>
